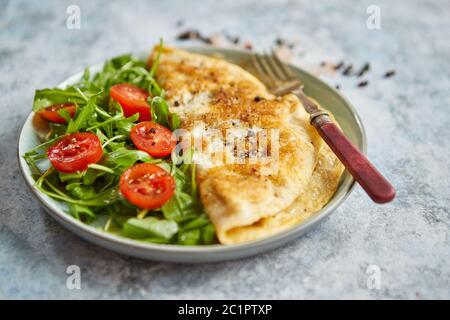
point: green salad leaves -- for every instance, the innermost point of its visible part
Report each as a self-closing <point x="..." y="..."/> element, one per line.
<point x="93" y="196"/>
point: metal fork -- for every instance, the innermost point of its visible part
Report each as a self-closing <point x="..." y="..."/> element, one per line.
<point x="280" y="79"/>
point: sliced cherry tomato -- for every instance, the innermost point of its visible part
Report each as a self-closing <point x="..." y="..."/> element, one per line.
<point x="75" y="152"/>
<point x="51" y="113"/>
<point x="132" y="99"/>
<point x="153" y="138"/>
<point x="147" y="186"/>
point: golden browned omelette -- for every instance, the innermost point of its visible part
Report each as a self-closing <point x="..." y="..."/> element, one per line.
<point x="262" y="168"/>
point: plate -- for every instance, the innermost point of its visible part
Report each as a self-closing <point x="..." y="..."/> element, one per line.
<point x="343" y="111"/>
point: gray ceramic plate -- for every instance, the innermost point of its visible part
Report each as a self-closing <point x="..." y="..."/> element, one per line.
<point x="345" y="114"/>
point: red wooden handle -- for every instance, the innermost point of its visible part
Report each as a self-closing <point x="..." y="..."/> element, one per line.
<point x="370" y="179"/>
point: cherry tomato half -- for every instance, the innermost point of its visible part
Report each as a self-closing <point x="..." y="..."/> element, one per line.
<point x="153" y="138"/>
<point x="75" y="152"/>
<point x="51" y="113"/>
<point x="132" y="99"/>
<point x="147" y="186"/>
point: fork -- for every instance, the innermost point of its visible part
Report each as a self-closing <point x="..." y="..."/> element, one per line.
<point x="280" y="79"/>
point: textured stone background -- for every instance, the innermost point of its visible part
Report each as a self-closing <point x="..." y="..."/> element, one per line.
<point x="406" y="117"/>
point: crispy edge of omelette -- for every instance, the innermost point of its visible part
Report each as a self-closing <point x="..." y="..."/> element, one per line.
<point x="235" y="200"/>
<point x="324" y="183"/>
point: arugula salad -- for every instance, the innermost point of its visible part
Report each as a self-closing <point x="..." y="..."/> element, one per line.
<point x="108" y="155"/>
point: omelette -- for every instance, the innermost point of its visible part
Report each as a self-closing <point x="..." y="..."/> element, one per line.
<point x="262" y="168"/>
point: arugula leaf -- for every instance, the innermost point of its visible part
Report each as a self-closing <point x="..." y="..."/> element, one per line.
<point x="124" y="126"/>
<point x="204" y="235"/>
<point x="180" y="207"/>
<point x="155" y="240"/>
<point x="35" y="171"/>
<point x="58" y="129"/>
<point x="103" y="198"/>
<point x="81" y="212"/>
<point x="149" y="227"/>
<point x="86" y="75"/>
<point x="189" y="238"/>
<point x="157" y="59"/>
<point x="120" y="61"/>
<point x="209" y="234"/>
<point x="162" y="115"/>
<point x="127" y="157"/>
<point x="196" y="223"/>
<point x="100" y="167"/>
<point x="82" y="117"/>
<point x="80" y="191"/>
<point x="47" y="97"/>
<point x="89" y="176"/>
<point x="64" y="177"/>
<point x="63" y="113"/>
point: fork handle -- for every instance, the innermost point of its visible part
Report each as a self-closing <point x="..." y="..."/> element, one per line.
<point x="370" y="179"/>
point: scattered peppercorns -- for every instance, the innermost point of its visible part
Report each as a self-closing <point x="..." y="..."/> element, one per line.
<point x="194" y="35"/>
<point x="364" y="69"/>
<point x="339" y="65"/>
<point x="280" y="42"/>
<point x="232" y="39"/>
<point x="389" y="73"/>
<point x="363" y="83"/>
<point x="348" y="70"/>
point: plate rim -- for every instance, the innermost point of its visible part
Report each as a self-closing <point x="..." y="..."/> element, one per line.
<point x="222" y="252"/>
